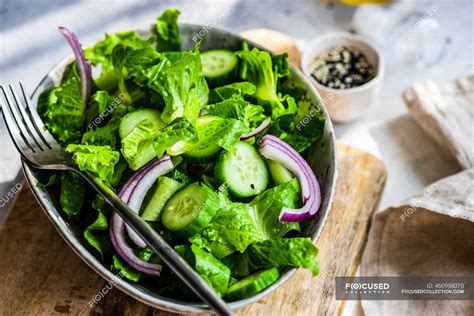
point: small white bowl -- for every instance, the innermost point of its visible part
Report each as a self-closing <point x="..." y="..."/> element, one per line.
<point x="345" y="105"/>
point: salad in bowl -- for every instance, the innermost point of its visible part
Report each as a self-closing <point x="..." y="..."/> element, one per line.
<point x="205" y="141"/>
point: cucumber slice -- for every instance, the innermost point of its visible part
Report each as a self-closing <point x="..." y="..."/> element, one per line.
<point x="204" y="151"/>
<point x="190" y="210"/>
<point x="132" y="119"/>
<point x="252" y="284"/>
<point x="165" y="189"/>
<point x="278" y="173"/>
<point x="219" y="66"/>
<point x="243" y="170"/>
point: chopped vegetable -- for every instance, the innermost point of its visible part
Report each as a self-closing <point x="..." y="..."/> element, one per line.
<point x="282" y="252"/>
<point x="99" y="160"/>
<point x="275" y="149"/>
<point x="84" y="67"/>
<point x="252" y="284"/>
<point x="218" y="173"/>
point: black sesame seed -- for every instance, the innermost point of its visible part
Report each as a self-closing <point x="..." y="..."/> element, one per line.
<point x="342" y="68"/>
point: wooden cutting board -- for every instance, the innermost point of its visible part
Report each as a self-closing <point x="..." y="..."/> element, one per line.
<point x="42" y="276"/>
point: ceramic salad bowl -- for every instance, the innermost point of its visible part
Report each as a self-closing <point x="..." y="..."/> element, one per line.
<point x="321" y="157"/>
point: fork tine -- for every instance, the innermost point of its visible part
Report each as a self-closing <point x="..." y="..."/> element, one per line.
<point x="37" y="123"/>
<point x="21" y="143"/>
<point x="23" y="118"/>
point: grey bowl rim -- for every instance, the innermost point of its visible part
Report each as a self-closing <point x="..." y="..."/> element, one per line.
<point x="130" y="289"/>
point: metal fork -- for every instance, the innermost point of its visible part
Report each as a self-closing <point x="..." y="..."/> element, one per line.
<point x="40" y="150"/>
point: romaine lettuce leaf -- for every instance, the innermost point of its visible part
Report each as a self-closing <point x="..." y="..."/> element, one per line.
<point x="71" y="197"/>
<point x="238" y="225"/>
<point x="99" y="104"/>
<point x="101" y="54"/>
<point x="231" y="229"/>
<point x="251" y="115"/>
<point x="53" y="180"/>
<point x="119" y="169"/>
<point x="168" y="31"/>
<point x="104" y="115"/>
<point x="182" y="86"/>
<point x="265" y="209"/>
<point x="233" y="91"/>
<point x="223" y="132"/>
<point x="124" y="270"/>
<point x="298" y="252"/>
<point x="299" y="136"/>
<point x="63" y="114"/>
<point x="180" y="176"/>
<point x="119" y="57"/>
<point x="281" y="68"/>
<point x="180" y="131"/>
<point x="145" y="142"/>
<point x="130" y="67"/>
<point x="137" y="147"/>
<point x="96" y="233"/>
<point x="98" y="160"/>
<point x="102" y="136"/>
<point x="212" y="270"/>
<point x="257" y="68"/>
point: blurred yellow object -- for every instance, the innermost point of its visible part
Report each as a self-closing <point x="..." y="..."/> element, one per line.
<point x="360" y="2"/>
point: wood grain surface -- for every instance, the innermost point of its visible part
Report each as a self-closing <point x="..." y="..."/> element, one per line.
<point x="42" y="276"/>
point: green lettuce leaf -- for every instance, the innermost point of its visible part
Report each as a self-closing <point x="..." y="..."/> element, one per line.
<point x="257" y="68"/>
<point x="63" y="113"/>
<point x="130" y="67"/>
<point x="265" y="209"/>
<point x="172" y="56"/>
<point x="119" y="57"/>
<point x="298" y="252"/>
<point x="223" y="132"/>
<point x="182" y="86"/>
<point x="124" y="270"/>
<point x="137" y="147"/>
<point x="102" y="136"/>
<point x="98" y="160"/>
<point x="145" y="142"/>
<point x="212" y="270"/>
<point x="231" y="229"/>
<point x="251" y="115"/>
<point x="238" y="225"/>
<point x="107" y="109"/>
<point x="288" y="128"/>
<point x="281" y="68"/>
<point x="233" y="91"/>
<point x="96" y="233"/>
<point x="168" y="31"/>
<point x="180" y="176"/>
<point x="72" y="193"/>
<point x="101" y="54"/>
<point x="53" y="179"/>
<point x="100" y="104"/>
<point x="119" y="169"/>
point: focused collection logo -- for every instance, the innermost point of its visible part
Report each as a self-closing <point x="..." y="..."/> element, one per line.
<point x="367" y="287"/>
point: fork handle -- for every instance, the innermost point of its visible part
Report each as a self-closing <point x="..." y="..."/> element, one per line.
<point x="160" y="247"/>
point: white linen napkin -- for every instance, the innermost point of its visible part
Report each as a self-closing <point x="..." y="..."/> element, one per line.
<point x="431" y="233"/>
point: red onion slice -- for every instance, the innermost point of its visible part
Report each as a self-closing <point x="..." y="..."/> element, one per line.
<point x="133" y="193"/>
<point x="263" y="126"/>
<point x="273" y="148"/>
<point x="148" y="176"/>
<point x="83" y="66"/>
<point x="119" y="241"/>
